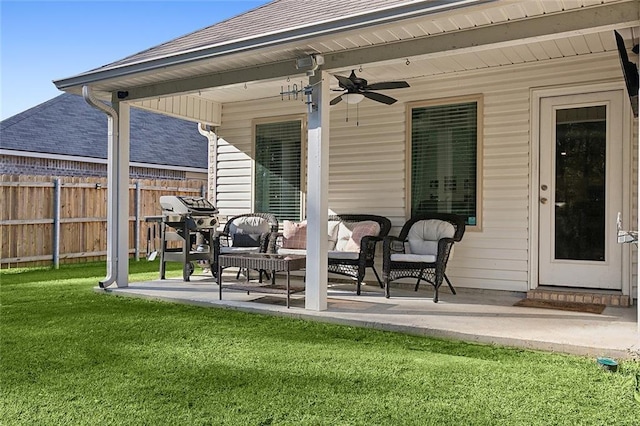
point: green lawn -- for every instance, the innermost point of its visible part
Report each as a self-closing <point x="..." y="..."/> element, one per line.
<point x="73" y="356"/>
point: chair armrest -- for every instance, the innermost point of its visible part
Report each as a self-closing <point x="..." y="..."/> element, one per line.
<point x="444" y="251"/>
<point x="368" y="246"/>
<point x="391" y="245"/>
<point x="222" y="239"/>
<point x="272" y="240"/>
<point x="278" y="240"/>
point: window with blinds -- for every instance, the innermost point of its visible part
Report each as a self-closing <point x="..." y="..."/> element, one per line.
<point x="278" y="148"/>
<point x="444" y="154"/>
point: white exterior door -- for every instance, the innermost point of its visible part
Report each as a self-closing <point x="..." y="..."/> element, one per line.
<point x="580" y="190"/>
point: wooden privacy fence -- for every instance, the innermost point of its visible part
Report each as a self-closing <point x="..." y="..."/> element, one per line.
<point x="46" y="220"/>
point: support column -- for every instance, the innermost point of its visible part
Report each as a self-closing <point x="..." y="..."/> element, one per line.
<point x="317" y="194"/>
<point x="117" y="188"/>
<point x="120" y="158"/>
<point x="638" y="216"/>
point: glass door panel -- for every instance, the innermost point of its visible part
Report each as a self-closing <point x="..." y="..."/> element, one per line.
<point x="580" y="196"/>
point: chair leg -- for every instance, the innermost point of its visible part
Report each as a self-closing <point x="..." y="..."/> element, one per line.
<point x="419" y="278"/>
<point x="453" y="290"/>
<point x="435" y="297"/>
<point x="377" y="277"/>
<point x="386" y="288"/>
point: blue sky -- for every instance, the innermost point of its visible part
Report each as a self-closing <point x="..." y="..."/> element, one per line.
<point x="41" y="41"/>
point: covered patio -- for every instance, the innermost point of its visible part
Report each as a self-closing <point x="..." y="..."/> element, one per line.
<point x="482" y="316"/>
<point x="506" y="58"/>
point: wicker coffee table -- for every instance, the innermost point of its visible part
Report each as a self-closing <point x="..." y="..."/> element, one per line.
<point x="261" y="261"/>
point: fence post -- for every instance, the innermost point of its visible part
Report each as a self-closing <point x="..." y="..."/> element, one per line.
<point x="56" y="223"/>
<point x="137" y="227"/>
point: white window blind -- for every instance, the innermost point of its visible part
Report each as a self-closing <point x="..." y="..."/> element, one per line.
<point x="444" y="147"/>
<point x="278" y="175"/>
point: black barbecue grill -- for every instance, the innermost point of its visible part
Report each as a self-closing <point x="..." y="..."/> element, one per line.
<point x="191" y="222"/>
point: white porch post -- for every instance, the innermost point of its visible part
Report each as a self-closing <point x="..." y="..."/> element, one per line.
<point x="317" y="194"/>
<point x="117" y="188"/>
<point x="638" y="214"/>
<point x="123" y="194"/>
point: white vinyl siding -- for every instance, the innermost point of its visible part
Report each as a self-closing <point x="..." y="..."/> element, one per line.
<point x="368" y="167"/>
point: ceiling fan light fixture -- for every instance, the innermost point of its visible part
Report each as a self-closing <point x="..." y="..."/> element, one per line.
<point x="353" y="98"/>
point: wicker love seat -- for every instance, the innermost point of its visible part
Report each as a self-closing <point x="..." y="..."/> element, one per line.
<point x="352" y="243"/>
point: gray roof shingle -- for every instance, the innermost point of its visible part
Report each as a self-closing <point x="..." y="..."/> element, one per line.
<point x="67" y="125"/>
<point x="274" y="17"/>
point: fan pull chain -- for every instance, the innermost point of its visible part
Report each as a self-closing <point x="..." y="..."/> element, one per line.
<point x="347" y="112"/>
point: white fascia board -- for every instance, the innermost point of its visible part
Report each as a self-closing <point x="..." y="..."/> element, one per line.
<point x="15" y="153"/>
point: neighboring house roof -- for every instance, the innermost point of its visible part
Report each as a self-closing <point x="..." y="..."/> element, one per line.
<point x="67" y="125"/>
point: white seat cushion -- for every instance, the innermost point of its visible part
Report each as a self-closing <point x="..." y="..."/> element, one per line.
<point x="332" y="230"/>
<point x="249" y="225"/>
<point x="286" y="251"/>
<point x="424" y="235"/>
<point x="338" y="254"/>
<point x="345" y="229"/>
<point x="231" y="250"/>
<point x="424" y="258"/>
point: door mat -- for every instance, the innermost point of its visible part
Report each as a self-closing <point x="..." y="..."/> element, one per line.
<point x="591" y="308"/>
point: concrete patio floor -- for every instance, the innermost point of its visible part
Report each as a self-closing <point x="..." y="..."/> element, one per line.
<point x="471" y="315"/>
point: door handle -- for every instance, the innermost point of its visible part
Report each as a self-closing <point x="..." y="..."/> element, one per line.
<point x="543" y="200"/>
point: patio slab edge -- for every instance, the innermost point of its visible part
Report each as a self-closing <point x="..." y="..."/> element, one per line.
<point x="324" y="317"/>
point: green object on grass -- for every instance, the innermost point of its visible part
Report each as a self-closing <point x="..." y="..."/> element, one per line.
<point x="70" y="355"/>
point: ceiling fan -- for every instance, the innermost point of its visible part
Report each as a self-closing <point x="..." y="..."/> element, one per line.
<point x="358" y="88"/>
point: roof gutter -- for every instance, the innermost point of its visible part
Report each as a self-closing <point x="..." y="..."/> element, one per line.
<point x="112" y="258"/>
<point x="378" y="17"/>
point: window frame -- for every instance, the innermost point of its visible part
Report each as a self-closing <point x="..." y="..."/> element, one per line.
<point x="303" y="157"/>
<point x="479" y="100"/>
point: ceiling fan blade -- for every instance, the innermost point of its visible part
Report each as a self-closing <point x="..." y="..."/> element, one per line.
<point x="385" y="85"/>
<point x="335" y="100"/>
<point x="379" y="97"/>
<point x="345" y="82"/>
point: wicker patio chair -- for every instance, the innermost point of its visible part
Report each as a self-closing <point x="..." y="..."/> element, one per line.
<point x="354" y="264"/>
<point x="249" y="232"/>
<point x="422" y="250"/>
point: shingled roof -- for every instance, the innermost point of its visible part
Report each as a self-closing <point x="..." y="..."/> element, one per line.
<point x="278" y="16"/>
<point x="67" y="125"/>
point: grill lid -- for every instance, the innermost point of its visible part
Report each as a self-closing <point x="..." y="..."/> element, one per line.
<point x="183" y="205"/>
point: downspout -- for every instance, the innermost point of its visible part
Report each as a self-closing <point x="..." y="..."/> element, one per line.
<point x="112" y="138"/>
<point x="212" y="163"/>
